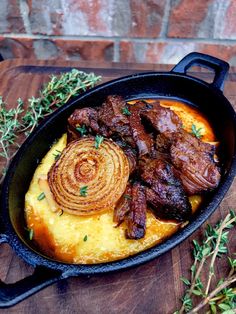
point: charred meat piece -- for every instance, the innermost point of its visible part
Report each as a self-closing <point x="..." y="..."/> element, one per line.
<point x="112" y="116"/>
<point x="132" y="158"/>
<point x="163" y="142"/>
<point x="136" y="218"/>
<point x="142" y="139"/>
<point x="162" y="119"/>
<point x="194" y="161"/>
<point x="130" y="153"/>
<point x="165" y="193"/>
<point x="84" y="119"/>
<point x="123" y="206"/>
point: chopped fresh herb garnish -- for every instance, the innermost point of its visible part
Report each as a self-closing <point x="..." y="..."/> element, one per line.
<point x="85" y="238"/>
<point x="41" y="196"/>
<point x="127" y="196"/>
<point x="98" y="141"/>
<point x="83" y="191"/>
<point x="57" y="156"/>
<point x="82" y="130"/>
<point x="126" y="111"/>
<point x="30" y="233"/>
<point x="196" y="132"/>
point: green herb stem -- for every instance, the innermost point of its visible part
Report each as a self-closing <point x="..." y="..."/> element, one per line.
<point x="54" y="94"/>
<point x="98" y="141"/>
<point x="205" y="301"/>
<point x="213" y="245"/>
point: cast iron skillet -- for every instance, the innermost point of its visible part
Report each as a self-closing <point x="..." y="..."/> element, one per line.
<point x="174" y="84"/>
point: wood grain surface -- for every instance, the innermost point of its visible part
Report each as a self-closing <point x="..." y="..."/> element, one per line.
<point x="151" y="288"/>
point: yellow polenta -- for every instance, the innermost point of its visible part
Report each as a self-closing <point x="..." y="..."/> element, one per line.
<point x="83" y="239"/>
<point x="93" y="239"/>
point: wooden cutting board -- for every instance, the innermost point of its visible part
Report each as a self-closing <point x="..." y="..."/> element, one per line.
<point x="151" y="288"/>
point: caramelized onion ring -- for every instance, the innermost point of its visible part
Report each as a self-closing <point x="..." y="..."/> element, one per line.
<point x="104" y="171"/>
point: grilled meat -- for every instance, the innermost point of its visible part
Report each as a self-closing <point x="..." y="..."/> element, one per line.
<point x="85" y="119"/>
<point x="136" y="218"/>
<point x="142" y="139"/>
<point x="194" y="161"/>
<point x="123" y="206"/>
<point x="162" y="119"/>
<point x="111" y="116"/>
<point x="165" y="192"/>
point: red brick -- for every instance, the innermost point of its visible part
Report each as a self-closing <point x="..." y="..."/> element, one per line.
<point x="45" y="17"/>
<point x="172" y="52"/>
<point x="56" y="49"/>
<point x="186" y="18"/>
<point x="10" y="17"/>
<point x="229" y="22"/>
<point x="146" y="17"/>
<point x="135" y="18"/>
<point x="16" y="48"/>
<point x="224" y="52"/>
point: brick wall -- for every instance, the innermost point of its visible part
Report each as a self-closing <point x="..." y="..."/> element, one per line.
<point x="153" y="31"/>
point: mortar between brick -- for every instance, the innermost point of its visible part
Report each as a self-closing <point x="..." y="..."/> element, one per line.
<point x="117" y="39"/>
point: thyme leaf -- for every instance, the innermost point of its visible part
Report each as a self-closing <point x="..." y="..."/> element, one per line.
<point x="41" y="196"/>
<point x="30" y="233"/>
<point x="98" y="141"/>
<point x="82" y="130"/>
<point x="196" y="132"/>
<point x="83" y="191"/>
<point x="126" y="111"/>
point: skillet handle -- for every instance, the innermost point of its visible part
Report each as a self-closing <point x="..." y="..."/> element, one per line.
<point x="219" y="67"/>
<point x="11" y="294"/>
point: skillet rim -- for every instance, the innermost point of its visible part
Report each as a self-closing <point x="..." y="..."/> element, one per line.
<point x="36" y="259"/>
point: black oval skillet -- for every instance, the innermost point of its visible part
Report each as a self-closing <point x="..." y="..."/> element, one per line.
<point x="174" y="84"/>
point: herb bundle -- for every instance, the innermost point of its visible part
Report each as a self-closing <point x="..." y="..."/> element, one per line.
<point x="222" y="297"/>
<point x="25" y="117"/>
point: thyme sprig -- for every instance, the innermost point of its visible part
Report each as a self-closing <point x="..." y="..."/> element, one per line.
<point x="9" y="125"/>
<point x="25" y="117"/>
<point x="223" y="297"/>
<point x="55" y="94"/>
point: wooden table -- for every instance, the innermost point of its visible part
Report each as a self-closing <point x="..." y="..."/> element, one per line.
<point x="152" y="288"/>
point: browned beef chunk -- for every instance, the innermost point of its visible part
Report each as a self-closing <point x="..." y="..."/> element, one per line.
<point x="130" y="153"/>
<point x="85" y="119"/>
<point x="84" y="116"/>
<point x="132" y="158"/>
<point x="165" y="192"/>
<point x="112" y="116"/>
<point x="142" y="139"/>
<point x="123" y="206"/>
<point x="136" y="218"/>
<point x="163" y="142"/>
<point x="162" y="119"/>
<point x="194" y="161"/>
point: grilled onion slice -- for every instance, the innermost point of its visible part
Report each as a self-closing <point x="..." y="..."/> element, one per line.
<point x="86" y="180"/>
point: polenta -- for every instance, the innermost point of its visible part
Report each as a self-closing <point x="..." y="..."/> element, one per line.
<point x="95" y="238"/>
